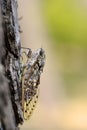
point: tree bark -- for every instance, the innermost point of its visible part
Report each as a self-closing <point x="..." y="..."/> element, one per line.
<point x="10" y="84"/>
<point x="11" y="109"/>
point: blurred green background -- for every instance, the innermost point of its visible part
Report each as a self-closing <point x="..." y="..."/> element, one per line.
<point x="66" y="21"/>
<point x="60" y="27"/>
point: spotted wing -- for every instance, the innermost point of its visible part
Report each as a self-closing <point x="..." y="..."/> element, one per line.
<point x="31" y="80"/>
<point x="29" y="106"/>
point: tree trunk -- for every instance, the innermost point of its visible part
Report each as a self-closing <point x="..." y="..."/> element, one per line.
<point x="12" y="112"/>
<point x="10" y="107"/>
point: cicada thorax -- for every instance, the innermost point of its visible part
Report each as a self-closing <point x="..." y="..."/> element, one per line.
<point x="30" y="81"/>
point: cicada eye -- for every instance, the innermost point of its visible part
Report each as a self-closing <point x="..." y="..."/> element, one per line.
<point x="41" y="52"/>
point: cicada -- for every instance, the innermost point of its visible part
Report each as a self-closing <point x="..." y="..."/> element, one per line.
<point x="31" y="71"/>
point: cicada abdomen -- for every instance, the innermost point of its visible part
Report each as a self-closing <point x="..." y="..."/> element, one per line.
<point x="30" y="81"/>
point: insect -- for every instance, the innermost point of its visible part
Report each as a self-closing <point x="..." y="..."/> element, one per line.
<point x="30" y="75"/>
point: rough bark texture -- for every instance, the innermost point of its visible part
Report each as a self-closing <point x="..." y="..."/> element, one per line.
<point x="10" y="108"/>
<point x="16" y="96"/>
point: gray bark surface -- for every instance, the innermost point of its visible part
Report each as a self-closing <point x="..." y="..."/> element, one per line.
<point x="10" y="108"/>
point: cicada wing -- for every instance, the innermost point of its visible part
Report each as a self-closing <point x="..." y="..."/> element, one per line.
<point x="31" y="80"/>
<point x="29" y="105"/>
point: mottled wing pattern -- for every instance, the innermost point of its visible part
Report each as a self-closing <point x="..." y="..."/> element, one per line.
<point x="30" y="81"/>
<point x="29" y="106"/>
